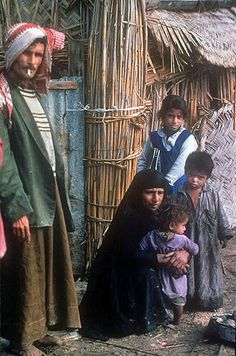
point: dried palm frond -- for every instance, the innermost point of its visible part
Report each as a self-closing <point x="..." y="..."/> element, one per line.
<point x="176" y="37"/>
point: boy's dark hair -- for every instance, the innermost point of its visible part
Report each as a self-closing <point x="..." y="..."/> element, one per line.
<point x="173" y="101"/>
<point x="199" y="161"/>
<point x="171" y="212"/>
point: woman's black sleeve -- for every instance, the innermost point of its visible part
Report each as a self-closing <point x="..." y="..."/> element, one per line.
<point x="129" y="250"/>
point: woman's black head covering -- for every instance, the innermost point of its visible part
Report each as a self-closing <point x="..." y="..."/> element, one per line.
<point x="132" y="200"/>
<point x="146" y="179"/>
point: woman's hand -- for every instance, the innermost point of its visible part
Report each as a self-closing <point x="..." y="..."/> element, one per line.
<point x="178" y="263"/>
<point x="163" y="258"/>
<point x="21" y="229"/>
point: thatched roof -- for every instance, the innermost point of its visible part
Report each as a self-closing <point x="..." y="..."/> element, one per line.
<point x="212" y="33"/>
<point x="188" y="5"/>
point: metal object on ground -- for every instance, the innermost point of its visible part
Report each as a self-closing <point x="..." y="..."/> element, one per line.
<point x="223" y="327"/>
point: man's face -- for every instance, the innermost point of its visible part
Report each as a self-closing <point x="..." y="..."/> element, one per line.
<point x="173" y="119"/>
<point x="27" y="63"/>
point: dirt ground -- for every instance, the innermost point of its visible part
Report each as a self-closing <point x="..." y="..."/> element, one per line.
<point x="188" y="338"/>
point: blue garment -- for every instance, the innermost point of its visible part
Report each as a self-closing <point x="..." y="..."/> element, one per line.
<point x="167" y="158"/>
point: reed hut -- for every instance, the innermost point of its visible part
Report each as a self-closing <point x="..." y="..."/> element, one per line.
<point x="135" y="52"/>
<point x="193" y="54"/>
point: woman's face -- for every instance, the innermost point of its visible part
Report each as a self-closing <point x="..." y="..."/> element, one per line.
<point x="152" y="198"/>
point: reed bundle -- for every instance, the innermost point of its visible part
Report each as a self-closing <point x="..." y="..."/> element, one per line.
<point x="116" y="117"/>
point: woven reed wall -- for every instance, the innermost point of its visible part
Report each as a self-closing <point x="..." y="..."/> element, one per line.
<point x="115" y="119"/>
<point x="218" y="138"/>
<point x="71" y="17"/>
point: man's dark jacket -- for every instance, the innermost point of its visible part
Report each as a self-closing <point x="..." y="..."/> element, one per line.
<point x="26" y="179"/>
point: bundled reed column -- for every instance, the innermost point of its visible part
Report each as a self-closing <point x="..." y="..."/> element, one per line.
<point x="115" y="118"/>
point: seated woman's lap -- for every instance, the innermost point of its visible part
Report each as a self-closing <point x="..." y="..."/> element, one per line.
<point x="126" y="301"/>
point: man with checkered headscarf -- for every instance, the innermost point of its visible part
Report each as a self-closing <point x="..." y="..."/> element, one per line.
<point x="37" y="283"/>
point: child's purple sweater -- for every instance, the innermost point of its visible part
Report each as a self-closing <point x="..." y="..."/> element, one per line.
<point x="156" y="241"/>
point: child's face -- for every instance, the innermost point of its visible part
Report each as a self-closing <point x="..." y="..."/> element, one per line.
<point x="178" y="227"/>
<point x="196" y="179"/>
<point x="173" y="119"/>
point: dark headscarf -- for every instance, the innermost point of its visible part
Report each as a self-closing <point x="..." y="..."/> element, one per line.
<point x="132" y="199"/>
<point x="146" y="179"/>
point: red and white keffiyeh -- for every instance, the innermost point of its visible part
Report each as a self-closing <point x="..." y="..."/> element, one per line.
<point x="16" y="40"/>
<point x="5" y="95"/>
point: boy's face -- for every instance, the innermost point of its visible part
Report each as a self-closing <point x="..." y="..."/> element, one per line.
<point x="173" y="119"/>
<point x="178" y="227"/>
<point x="196" y="179"/>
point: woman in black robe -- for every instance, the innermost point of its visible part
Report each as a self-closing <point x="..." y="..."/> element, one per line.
<point x="123" y="295"/>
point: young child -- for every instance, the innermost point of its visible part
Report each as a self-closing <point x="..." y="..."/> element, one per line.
<point x="169" y="238"/>
<point x="209" y="227"/>
<point x="167" y="149"/>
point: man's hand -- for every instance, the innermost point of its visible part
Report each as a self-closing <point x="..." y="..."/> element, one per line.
<point x="178" y="264"/>
<point x="21" y="229"/>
